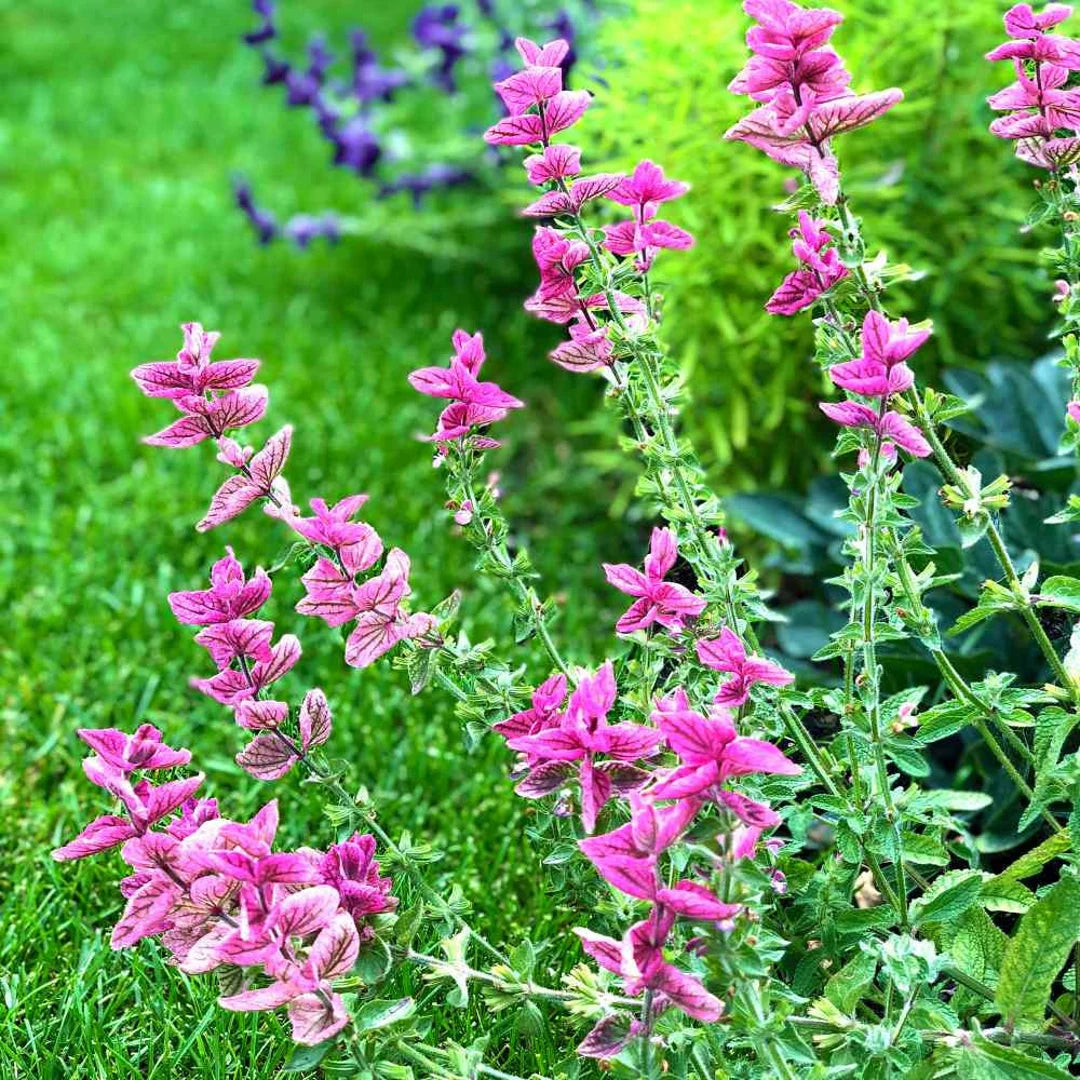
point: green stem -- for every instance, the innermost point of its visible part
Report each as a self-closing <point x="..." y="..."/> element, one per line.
<point x="949" y="469"/>
<point x="525" y="594"/>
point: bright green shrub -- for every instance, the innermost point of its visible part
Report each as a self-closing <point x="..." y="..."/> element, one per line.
<point x="934" y="185"/>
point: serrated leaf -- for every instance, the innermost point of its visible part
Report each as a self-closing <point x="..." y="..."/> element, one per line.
<point x="948" y="897"/>
<point x="944" y="720"/>
<point x="974" y="944"/>
<point x="1006" y="894"/>
<point x="990" y="604"/>
<point x="1034" y="860"/>
<point x="1036" y="953"/>
<point x="850" y="983"/>
<point x="1015" y="1063"/>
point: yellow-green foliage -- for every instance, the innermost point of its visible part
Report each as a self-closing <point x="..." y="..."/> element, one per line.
<point x="936" y="190"/>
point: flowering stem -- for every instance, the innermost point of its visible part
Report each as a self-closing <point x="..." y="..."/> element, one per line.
<point x="486" y="538"/>
<point x="870" y="673"/>
<point x="948" y="468"/>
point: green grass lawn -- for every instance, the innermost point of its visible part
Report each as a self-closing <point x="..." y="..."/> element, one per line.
<point x="119" y="127"/>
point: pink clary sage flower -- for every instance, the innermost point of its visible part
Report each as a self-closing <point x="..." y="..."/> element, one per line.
<point x="539" y="110"/>
<point x="248" y="664"/>
<point x="639" y="961"/>
<point x="658" y="601"/>
<point x="215" y="893"/>
<point x="376" y="605"/>
<point x="727" y="653"/>
<point x="803" y="88"/>
<point x="214" y="396"/>
<point x="644" y="190"/>
<point x="116" y="757"/>
<point x="879" y="372"/>
<point x="710" y="751"/>
<point x="583" y="735"/>
<point x="474" y="405"/>
<point x="1038" y="106"/>
<point x="820" y="268"/>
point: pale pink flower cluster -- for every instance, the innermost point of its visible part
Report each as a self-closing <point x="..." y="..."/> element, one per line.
<point x="346" y="549"/>
<point x="1039" y="106"/>
<point x="803" y="89"/>
<point x="216" y="894"/>
<point x="541" y="109"/>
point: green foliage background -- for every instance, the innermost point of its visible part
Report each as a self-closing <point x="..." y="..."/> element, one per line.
<point x="936" y="190"/>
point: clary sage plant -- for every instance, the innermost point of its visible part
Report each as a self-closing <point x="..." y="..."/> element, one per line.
<point x="780" y="879"/>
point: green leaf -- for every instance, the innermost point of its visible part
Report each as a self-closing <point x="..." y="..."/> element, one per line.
<point x="1006" y="894"/>
<point x="383" y="1012"/>
<point x="990" y="603"/>
<point x="304" y="1058"/>
<point x="1034" y="860"/>
<point x="851" y="982"/>
<point x="954" y="800"/>
<point x="944" y="720"/>
<point x="948" y="897"/>
<point x="1015" y="1063"/>
<point x="1036" y="953"/>
<point x="924" y="850"/>
<point x="1060" y="592"/>
<point x="373" y="961"/>
<point x="975" y="945"/>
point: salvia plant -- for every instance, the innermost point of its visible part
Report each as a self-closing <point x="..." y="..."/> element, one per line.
<point x="376" y="115"/>
<point x="771" y="877"/>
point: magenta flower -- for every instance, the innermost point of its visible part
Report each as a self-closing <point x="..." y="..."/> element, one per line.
<point x="116" y="757"/>
<point x="356" y="545"/>
<point x="710" y="751"/>
<point x="803" y="87"/>
<point x="639" y="960"/>
<point x="192" y="372"/>
<point x="270" y="755"/>
<point x="881" y="370"/>
<point x="1073" y="411"/>
<point x="544" y="713"/>
<point x="257" y="479"/>
<point x="351" y="868"/>
<point x="889" y="426"/>
<point x="375" y="604"/>
<point x="627" y="857"/>
<point x="126" y="753"/>
<point x="658" y="601"/>
<point x="316" y="1011"/>
<point x="645" y="240"/>
<point x="235" y="684"/>
<point x="557" y="162"/>
<point x="819" y="270"/>
<point x="538" y="87"/>
<point x="458" y="381"/>
<point x="475" y="405"/>
<point x="588" y="349"/>
<point x="584" y="734"/>
<point x="646" y="188"/>
<point x="728" y="654"/>
<point x="1038" y="105"/>
<point x="230" y="596"/>
<point x="210" y="418"/>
